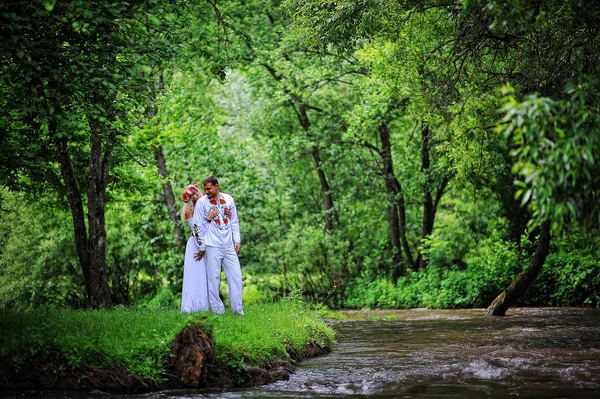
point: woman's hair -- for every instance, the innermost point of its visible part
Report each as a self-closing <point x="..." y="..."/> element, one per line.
<point x="187" y="211"/>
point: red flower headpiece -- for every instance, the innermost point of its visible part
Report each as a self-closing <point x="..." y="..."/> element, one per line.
<point x="189" y="192"/>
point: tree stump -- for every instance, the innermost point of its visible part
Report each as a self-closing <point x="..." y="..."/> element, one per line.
<point x="192" y="349"/>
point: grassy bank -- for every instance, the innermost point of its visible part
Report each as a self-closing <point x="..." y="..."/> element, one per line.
<point x="137" y="342"/>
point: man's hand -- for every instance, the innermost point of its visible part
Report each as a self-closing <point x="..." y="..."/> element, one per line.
<point x="237" y="247"/>
<point x="198" y="255"/>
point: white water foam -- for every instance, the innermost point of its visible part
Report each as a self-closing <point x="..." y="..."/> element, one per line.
<point x="483" y="370"/>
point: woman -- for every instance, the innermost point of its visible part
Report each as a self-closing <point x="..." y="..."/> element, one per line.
<point x="194" y="296"/>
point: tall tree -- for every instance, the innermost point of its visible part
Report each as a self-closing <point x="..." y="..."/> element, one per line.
<point x="548" y="128"/>
<point x="71" y="77"/>
<point x="548" y="133"/>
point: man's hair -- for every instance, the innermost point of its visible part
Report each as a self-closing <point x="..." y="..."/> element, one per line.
<point x="210" y="180"/>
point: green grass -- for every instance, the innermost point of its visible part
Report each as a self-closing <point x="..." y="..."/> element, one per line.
<point x="138" y="341"/>
<point x="276" y="329"/>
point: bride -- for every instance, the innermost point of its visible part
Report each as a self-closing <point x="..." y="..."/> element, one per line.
<point x="194" y="295"/>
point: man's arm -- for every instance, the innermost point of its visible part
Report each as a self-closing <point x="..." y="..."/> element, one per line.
<point x="235" y="226"/>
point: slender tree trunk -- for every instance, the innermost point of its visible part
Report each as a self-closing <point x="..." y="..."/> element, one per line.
<point x="300" y="108"/>
<point x="427" y="197"/>
<point x="77" y="212"/>
<point x="438" y="196"/>
<point x="167" y="189"/>
<point x="402" y="216"/>
<point x="302" y="115"/>
<point x="392" y="205"/>
<point x="327" y="198"/>
<point x="515" y="291"/>
<point x="97" y="182"/>
<point x="428" y="204"/>
<point x="395" y="193"/>
<point x="169" y="197"/>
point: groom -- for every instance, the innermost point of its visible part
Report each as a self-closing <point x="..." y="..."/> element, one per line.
<point x="218" y="235"/>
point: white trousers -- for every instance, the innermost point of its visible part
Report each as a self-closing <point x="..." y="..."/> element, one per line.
<point x="226" y="257"/>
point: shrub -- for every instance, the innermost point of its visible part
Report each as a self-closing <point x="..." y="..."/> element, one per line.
<point x="571" y="274"/>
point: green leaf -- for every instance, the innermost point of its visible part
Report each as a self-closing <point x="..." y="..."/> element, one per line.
<point x="526" y="197"/>
<point x="49" y="5"/>
<point x="154" y="19"/>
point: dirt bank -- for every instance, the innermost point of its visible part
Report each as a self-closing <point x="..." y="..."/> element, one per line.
<point x="191" y="364"/>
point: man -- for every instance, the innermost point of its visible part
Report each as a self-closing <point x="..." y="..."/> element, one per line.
<point x="218" y="236"/>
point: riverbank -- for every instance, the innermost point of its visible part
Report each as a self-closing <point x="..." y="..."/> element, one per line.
<point x="129" y="351"/>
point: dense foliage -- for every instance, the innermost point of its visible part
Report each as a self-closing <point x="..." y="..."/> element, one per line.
<point x="381" y="154"/>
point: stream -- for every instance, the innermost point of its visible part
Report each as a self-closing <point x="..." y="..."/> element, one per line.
<point x="419" y="353"/>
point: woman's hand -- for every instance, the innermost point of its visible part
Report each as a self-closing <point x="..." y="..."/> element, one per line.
<point x="198" y="255"/>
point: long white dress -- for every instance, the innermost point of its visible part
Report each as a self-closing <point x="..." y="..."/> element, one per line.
<point x="194" y="296"/>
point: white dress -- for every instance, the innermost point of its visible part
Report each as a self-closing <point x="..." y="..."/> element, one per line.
<point x="194" y="296"/>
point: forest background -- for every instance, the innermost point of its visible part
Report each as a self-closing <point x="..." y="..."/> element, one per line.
<point x="381" y="153"/>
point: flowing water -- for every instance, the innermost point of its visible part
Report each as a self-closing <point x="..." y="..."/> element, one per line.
<point x="531" y="353"/>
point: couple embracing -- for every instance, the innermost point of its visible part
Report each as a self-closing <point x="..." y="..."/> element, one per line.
<point x="214" y="243"/>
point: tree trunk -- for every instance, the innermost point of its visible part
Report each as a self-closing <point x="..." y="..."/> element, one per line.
<point x="93" y="268"/>
<point x="300" y="108"/>
<point x="438" y="196"/>
<point x="77" y="213"/>
<point x="327" y="199"/>
<point x="515" y="291"/>
<point x="397" y="211"/>
<point x="97" y="182"/>
<point x="302" y="115"/>
<point x="169" y="197"/>
<point x="402" y="216"/>
<point x="167" y="189"/>
<point x="392" y="206"/>
<point x="428" y="205"/>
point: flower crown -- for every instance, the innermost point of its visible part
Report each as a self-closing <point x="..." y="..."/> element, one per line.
<point x="189" y="192"/>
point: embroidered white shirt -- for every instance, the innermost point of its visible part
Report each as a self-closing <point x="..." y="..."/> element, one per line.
<point x="223" y="230"/>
